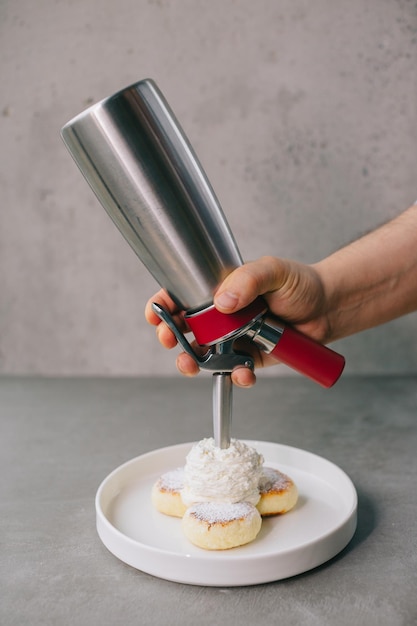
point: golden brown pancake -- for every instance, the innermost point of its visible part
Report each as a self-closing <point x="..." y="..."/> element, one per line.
<point x="220" y="525"/>
<point x="166" y="493"/>
<point x="278" y="492"/>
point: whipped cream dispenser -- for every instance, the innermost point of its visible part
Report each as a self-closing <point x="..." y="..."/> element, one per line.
<point x="138" y="161"/>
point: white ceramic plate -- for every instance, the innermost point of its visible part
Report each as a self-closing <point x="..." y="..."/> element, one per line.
<point x="321" y="524"/>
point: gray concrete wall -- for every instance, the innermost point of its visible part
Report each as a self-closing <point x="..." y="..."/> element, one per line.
<point x="303" y="113"/>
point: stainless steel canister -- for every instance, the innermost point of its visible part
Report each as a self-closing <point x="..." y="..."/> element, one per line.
<point x="139" y="163"/>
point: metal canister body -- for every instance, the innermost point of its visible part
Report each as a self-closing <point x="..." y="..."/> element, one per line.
<point x="133" y="153"/>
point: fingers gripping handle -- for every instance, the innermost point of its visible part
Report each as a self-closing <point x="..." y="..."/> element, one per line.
<point x="308" y="357"/>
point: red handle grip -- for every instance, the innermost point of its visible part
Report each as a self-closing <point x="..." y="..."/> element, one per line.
<point x="308" y="357"/>
<point x="299" y="352"/>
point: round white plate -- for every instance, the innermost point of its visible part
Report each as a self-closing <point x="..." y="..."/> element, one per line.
<point x="320" y="525"/>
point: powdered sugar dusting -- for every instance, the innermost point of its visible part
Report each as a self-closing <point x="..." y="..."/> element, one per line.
<point x="172" y="480"/>
<point x="273" y="480"/>
<point x="222" y="512"/>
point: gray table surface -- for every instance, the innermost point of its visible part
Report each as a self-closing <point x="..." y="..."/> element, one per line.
<point x="60" y="437"/>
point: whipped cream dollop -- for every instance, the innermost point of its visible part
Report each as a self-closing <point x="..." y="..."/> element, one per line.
<point x="214" y="474"/>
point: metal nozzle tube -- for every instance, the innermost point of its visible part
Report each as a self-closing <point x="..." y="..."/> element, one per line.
<point x="222" y="408"/>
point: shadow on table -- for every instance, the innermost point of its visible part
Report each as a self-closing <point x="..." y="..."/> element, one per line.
<point x="367" y="520"/>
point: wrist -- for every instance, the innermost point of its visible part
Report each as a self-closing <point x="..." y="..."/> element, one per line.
<point x="332" y="306"/>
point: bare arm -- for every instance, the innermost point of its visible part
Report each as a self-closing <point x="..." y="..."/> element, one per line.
<point x="374" y="279"/>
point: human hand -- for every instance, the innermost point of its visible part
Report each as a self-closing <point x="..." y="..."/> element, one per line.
<point x="293" y="291"/>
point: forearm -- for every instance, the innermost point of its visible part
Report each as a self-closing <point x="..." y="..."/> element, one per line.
<point x="374" y="279"/>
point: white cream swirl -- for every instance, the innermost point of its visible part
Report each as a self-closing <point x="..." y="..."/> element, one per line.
<point x="215" y="474"/>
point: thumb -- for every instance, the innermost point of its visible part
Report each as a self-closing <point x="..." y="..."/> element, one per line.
<point x="249" y="281"/>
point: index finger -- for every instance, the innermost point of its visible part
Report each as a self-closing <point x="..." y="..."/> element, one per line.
<point x="162" y="298"/>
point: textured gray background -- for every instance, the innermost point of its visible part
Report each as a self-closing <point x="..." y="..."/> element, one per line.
<point x="303" y="113"/>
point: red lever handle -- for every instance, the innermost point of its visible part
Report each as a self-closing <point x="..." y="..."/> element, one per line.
<point x="287" y="345"/>
<point x="308" y="357"/>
